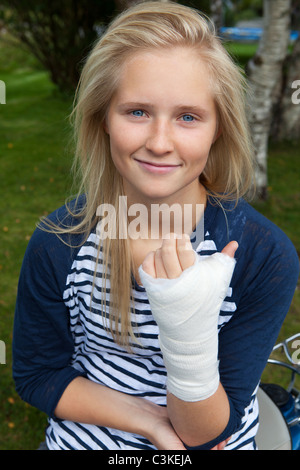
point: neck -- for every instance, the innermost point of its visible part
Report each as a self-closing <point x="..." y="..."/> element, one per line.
<point x="156" y="218"/>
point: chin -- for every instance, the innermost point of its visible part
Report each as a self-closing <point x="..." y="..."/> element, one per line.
<point x="158" y="196"/>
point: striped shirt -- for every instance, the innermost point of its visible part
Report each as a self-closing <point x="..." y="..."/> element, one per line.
<point x="249" y="322"/>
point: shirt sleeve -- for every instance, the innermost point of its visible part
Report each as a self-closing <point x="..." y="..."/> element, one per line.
<point x="265" y="279"/>
<point x="42" y="342"/>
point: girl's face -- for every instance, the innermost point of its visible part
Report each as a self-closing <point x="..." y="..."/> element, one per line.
<point x="162" y="121"/>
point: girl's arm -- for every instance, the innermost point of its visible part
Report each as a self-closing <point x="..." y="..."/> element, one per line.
<point x="43" y="348"/>
<point x="199" y="422"/>
<point x="195" y="421"/>
<point x="212" y="413"/>
<point x="267" y="274"/>
<point x="85" y="401"/>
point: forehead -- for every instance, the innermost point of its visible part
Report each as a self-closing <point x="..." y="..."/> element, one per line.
<point x="176" y="73"/>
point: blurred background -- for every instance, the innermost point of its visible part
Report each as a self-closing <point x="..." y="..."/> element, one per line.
<point x="43" y="45"/>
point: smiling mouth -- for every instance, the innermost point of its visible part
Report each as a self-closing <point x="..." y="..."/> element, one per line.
<point x="157" y="168"/>
<point x="158" y="165"/>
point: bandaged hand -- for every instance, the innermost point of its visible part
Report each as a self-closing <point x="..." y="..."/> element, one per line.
<point x="185" y="293"/>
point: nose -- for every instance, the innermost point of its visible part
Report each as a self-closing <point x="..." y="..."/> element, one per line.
<point x="160" y="139"/>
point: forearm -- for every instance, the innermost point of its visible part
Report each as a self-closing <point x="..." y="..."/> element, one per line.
<point x="88" y="402"/>
<point x="186" y="308"/>
<point x="199" y="422"/>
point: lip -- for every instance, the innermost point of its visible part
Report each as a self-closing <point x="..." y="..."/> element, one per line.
<point x="157" y="168"/>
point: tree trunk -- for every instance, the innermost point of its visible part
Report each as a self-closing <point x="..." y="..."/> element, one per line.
<point x="216" y="13"/>
<point x="286" y="124"/>
<point x="264" y="73"/>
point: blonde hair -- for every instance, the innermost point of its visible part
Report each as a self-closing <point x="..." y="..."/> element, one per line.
<point x="229" y="170"/>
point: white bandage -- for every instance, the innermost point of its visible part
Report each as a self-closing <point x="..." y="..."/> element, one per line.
<point x="186" y="310"/>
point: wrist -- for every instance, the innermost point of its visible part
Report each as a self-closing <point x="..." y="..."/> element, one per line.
<point x="157" y="427"/>
<point x="192" y="368"/>
<point x="146" y="418"/>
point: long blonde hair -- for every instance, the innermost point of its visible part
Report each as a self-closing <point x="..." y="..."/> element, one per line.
<point x="229" y="170"/>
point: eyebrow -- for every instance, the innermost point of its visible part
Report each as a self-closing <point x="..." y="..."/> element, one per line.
<point x="179" y="108"/>
<point x="197" y="109"/>
<point x="135" y="105"/>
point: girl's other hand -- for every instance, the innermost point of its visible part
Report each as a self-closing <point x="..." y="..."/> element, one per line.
<point x="174" y="256"/>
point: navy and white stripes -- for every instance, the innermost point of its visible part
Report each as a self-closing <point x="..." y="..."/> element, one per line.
<point x="140" y="372"/>
<point x="59" y="334"/>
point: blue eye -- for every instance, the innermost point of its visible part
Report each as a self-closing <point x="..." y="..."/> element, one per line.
<point x="137" y="113"/>
<point x="188" y="118"/>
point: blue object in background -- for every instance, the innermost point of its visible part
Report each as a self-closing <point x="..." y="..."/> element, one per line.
<point x="248" y="34"/>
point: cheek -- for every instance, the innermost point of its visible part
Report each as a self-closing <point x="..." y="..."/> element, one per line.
<point x="115" y="135"/>
<point x="114" y="150"/>
<point x="197" y="154"/>
<point x="200" y="165"/>
<point x="120" y="152"/>
<point x="125" y="142"/>
<point x="196" y="158"/>
<point x="117" y="143"/>
<point x="200" y="146"/>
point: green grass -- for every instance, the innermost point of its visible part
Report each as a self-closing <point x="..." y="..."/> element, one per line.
<point x="241" y="52"/>
<point x="283" y="208"/>
<point x="35" y="161"/>
<point x="34" y="176"/>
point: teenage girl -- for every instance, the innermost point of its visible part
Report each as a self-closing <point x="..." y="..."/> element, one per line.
<point x="154" y="342"/>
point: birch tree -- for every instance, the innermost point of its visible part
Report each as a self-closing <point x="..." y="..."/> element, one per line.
<point x="216" y="13"/>
<point x="286" y="125"/>
<point x="264" y="73"/>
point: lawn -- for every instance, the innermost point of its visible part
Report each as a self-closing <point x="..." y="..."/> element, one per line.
<point x="34" y="174"/>
<point x="35" y="160"/>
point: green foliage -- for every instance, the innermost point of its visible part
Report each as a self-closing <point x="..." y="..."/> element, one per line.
<point x="201" y="5"/>
<point x="242" y="10"/>
<point x="58" y="33"/>
<point x="240" y="6"/>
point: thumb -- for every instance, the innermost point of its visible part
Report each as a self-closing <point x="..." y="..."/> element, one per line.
<point x="230" y="249"/>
